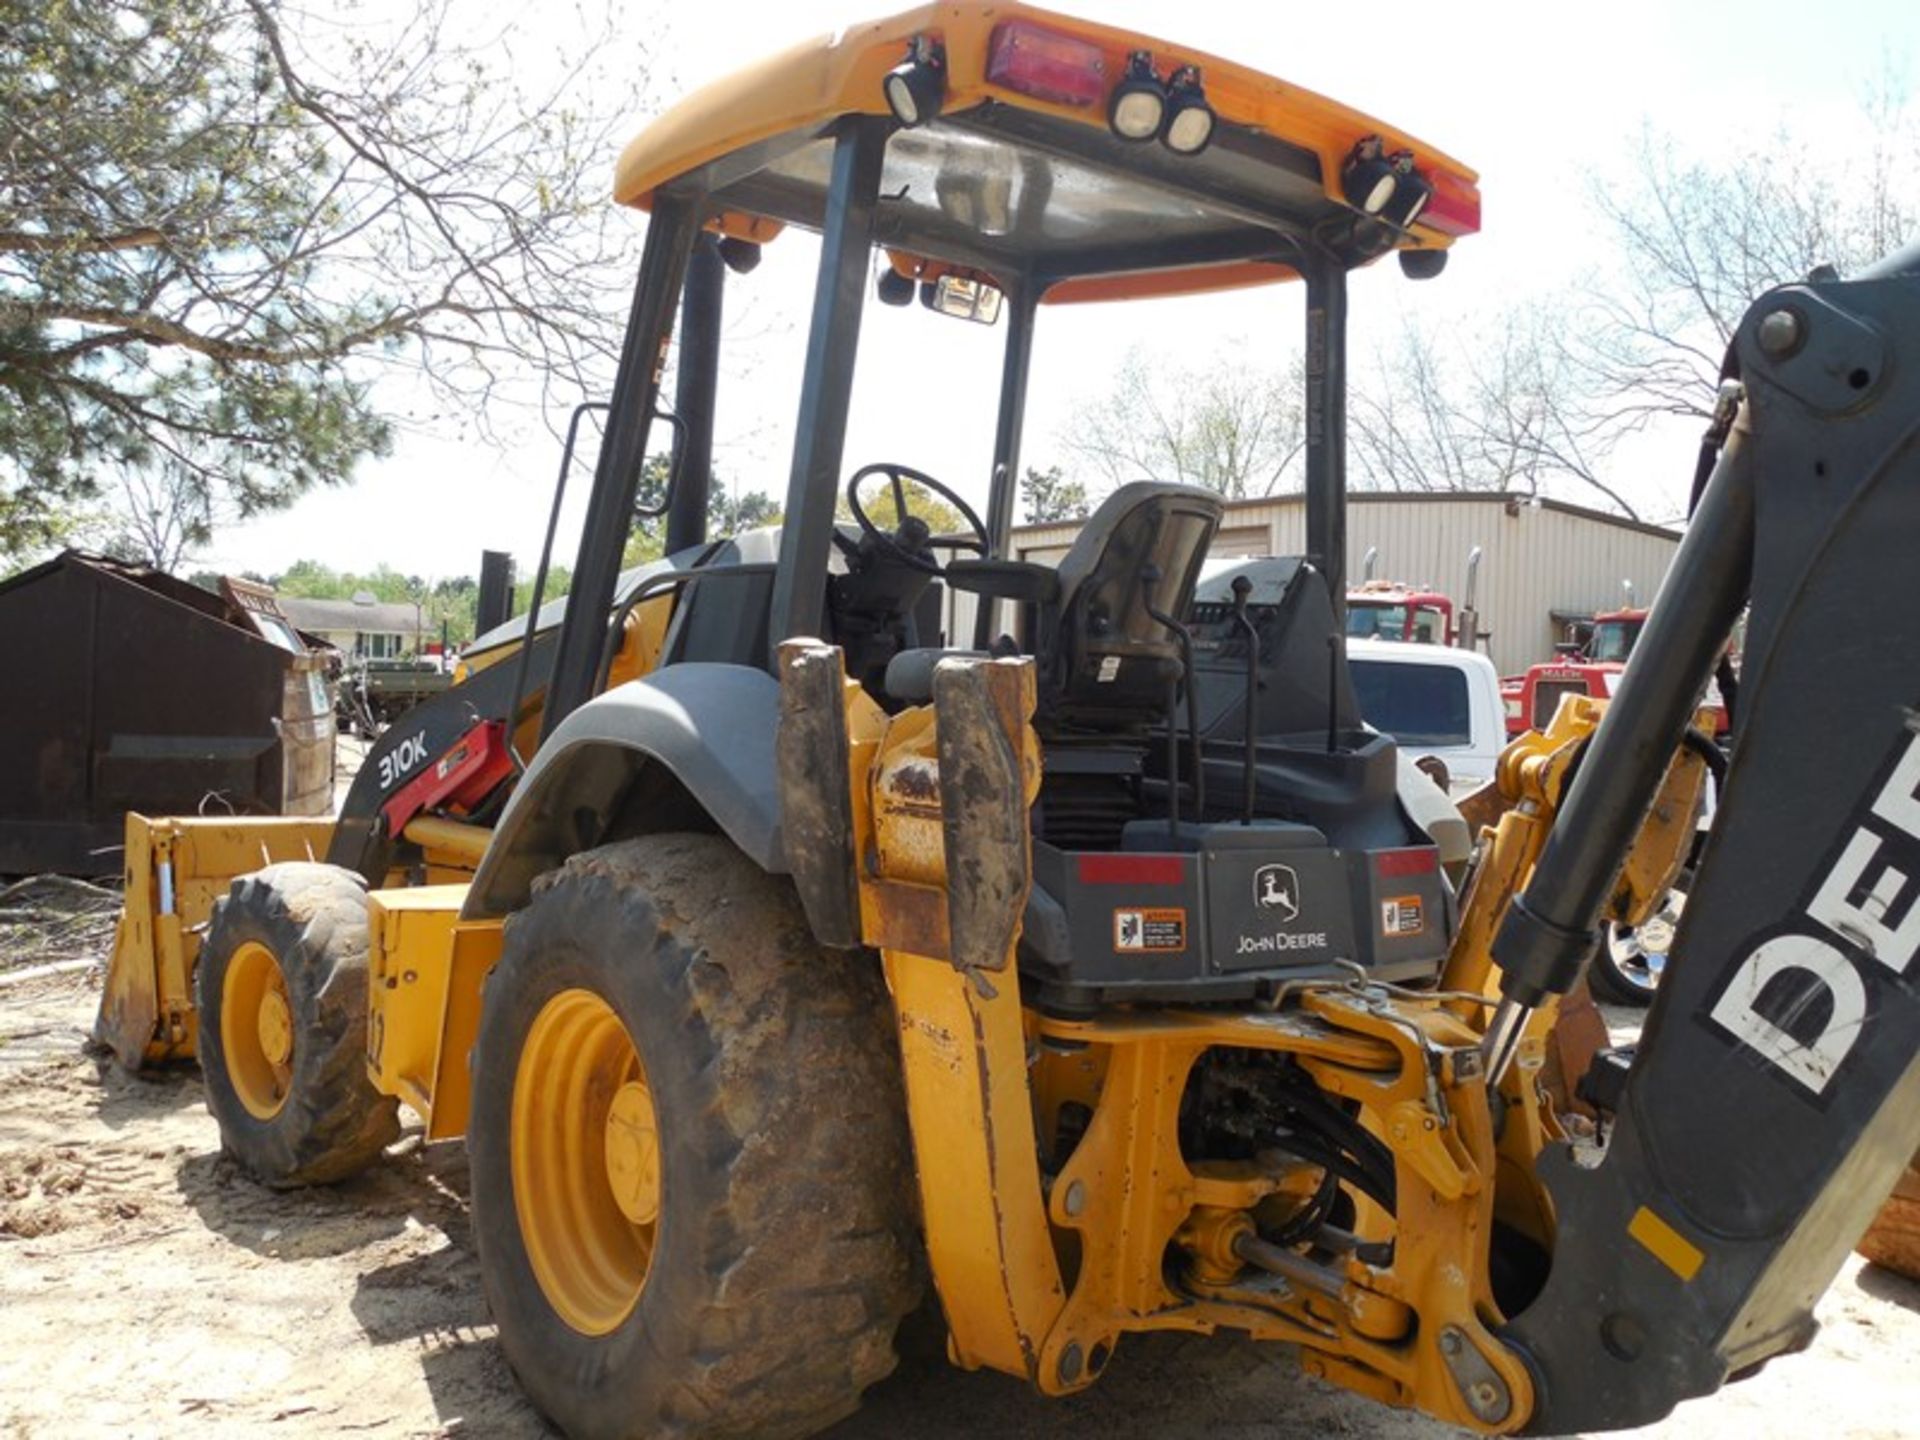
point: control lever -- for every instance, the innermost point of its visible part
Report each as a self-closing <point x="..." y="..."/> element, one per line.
<point x="1242" y="588"/>
<point x="1149" y="577"/>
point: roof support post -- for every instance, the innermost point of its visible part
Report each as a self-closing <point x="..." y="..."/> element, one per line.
<point x="636" y="393"/>
<point x="1327" y="424"/>
<point x="1014" y="370"/>
<point x="696" y="383"/>
<point x="800" y="582"/>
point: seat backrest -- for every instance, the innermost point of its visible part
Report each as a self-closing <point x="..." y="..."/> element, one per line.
<point x="725" y="616"/>
<point x="1106" y="661"/>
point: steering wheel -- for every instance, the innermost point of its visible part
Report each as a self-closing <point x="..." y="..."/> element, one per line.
<point x="905" y="521"/>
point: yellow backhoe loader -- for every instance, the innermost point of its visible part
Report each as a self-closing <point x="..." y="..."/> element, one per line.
<point x="827" y="912"/>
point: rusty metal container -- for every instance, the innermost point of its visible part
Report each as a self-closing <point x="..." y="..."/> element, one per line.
<point x="123" y="688"/>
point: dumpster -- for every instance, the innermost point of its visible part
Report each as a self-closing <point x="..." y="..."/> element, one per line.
<point x="123" y="688"/>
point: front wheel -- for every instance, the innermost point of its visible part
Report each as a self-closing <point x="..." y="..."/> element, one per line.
<point x="281" y="990"/>
<point x="691" y="1172"/>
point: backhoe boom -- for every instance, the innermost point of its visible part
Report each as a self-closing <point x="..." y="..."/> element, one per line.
<point x="1775" y="1095"/>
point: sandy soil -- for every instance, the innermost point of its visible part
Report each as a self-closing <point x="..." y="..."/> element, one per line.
<point x="147" y="1288"/>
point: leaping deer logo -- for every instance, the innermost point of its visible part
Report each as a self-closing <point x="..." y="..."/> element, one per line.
<point x="1276" y="887"/>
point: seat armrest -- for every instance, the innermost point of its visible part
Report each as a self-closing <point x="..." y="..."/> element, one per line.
<point x="1020" y="581"/>
<point x="910" y="673"/>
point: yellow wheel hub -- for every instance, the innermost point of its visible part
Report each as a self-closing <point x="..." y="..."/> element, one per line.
<point x="585" y="1151"/>
<point x="256" y="1030"/>
<point x="276" y="1027"/>
<point x="633" y="1154"/>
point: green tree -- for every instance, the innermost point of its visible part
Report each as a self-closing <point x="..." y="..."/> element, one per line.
<point x="223" y="220"/>
<point x="1051" y="497"/>
<point x="727" y="513"/>
<point x="559" y="582"/>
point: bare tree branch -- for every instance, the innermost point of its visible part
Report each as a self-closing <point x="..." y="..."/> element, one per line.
<point x="226" y="221"/>
<point x="1229" y="427"/>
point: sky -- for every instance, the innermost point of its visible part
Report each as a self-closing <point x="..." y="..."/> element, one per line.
<point x="1540" y="98"/>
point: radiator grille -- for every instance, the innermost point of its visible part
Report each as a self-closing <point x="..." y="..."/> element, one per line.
<point x="1546" y="698"/>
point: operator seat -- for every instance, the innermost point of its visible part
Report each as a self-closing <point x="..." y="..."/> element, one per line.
<point x="1104" y="663"/>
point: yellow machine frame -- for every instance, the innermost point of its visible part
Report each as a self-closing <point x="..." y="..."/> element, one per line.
<point x="1040" y="1276"/>
<point x="1040" y="1270"/>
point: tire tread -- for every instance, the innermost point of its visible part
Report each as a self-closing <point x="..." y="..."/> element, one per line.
<point x="785" y="1324"/>
<point x="334" y="1124"/>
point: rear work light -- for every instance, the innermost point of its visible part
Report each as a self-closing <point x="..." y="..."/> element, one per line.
<point x="1047" y="65"/>
<point x="1139" y="102"/>
<point x="917" y="87"/>
<point x="1367" y="176"/>
<point x="1189" y="117"/>
<point x="1411" y="192"/>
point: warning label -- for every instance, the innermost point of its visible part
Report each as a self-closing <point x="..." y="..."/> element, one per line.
<point x="1401" y="917"/>
<point x="1137" y="930"/>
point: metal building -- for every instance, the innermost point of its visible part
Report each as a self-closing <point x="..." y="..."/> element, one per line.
<point x="1543" y="563"/>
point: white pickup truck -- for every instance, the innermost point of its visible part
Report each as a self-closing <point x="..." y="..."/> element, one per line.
<point x="1439" y="701"/>
<point x="1434" y="700"/>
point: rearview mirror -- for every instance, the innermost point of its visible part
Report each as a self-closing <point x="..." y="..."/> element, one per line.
<point x="967" y="299"/>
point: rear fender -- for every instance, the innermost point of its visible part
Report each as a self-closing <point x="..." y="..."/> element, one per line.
<point x="688" y="747"/>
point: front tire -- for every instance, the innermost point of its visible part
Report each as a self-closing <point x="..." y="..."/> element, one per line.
<point x="281" y="990"/>
<point x="691" y="1173"/>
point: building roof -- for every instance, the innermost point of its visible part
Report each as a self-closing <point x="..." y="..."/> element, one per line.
<point x="379" y="618"/>
<point x="1510" y="502"/>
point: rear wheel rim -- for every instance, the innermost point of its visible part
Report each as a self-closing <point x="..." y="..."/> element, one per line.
<point x="256" y="1030"/>
<point x="586" y="1161"/>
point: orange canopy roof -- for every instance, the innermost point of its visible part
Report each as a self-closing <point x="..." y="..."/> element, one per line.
<point x="799" y="92"/>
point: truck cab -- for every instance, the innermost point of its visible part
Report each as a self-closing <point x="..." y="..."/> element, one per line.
<point x="1439" y="703"/>
<point x="1591" y="667"/>
<point x="1387" y="610"/>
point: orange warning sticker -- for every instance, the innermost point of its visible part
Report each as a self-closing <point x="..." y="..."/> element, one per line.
<point x="1402" y="916"/>
<point x="1135" y="931"/>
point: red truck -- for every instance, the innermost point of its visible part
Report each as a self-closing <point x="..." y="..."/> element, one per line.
<point x="1593" y="668"/>
<point x="1388" y="610"/>
<point x="1394" y="610"/>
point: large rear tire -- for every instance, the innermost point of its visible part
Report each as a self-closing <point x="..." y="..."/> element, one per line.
<point x="1893" y="1240"/>
<point x="281" y="990"/>
<point x="691" y="1171"/>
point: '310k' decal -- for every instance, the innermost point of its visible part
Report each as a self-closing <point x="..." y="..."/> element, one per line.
<point x="404" y="757"/>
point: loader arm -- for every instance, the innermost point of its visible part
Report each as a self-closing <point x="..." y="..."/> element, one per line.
<point x="1775" y="1096"/>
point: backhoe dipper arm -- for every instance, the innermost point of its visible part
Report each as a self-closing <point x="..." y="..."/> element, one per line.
<point x="1775" y="1096"/>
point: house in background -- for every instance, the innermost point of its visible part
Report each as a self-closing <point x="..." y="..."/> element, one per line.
<point x="363" y="628"/>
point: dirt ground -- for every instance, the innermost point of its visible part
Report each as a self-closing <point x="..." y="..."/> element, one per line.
<point x="149" y="1288"/>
